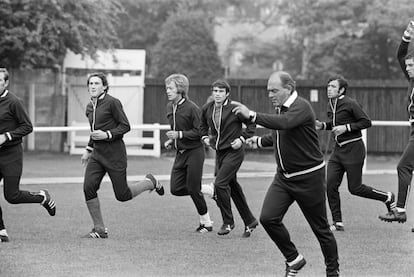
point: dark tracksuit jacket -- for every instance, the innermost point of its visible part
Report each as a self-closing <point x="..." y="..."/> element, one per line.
<point x="228" y="160"/>
<point x="15" y="124"/>
<point x="14" y="121"/>
<point x="187" y="170"/>
<point x="401" y="54"/>
<point x="348" y="154"/>
<point x="294" y="138"/>
<point x="347" y="111"/>
<point x="108" y="155"/>
<point x="299" y="177"/>
<point x="406" y="164"/>
<point x="228" y="130"/>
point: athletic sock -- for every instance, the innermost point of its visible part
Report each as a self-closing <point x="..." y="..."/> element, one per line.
<point x="298" y="258"/>
<point x="400" y="210"/>
<point x="205" y="220"/>
<point x="138" y="188"/>
<point x="94" y="208"/>
<point x="339" y="224"/>
<point x="208" y="190"/>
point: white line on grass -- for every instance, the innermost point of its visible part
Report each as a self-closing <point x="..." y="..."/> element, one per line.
<point x="79" y="180"/>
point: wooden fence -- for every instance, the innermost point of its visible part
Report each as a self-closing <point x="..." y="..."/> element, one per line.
<point x="46" y="100"/>
<point x="382" y="100"/>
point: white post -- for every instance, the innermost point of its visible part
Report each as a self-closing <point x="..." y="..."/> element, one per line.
<point x="157" y="140"/>
<point x="32" y="113"/>
<point x="364" y="139"/>
<point x="72" y="140"/>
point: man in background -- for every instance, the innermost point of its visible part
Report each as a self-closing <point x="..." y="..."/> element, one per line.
<point x="184" y="136"/>
<point x="406" y="164"/>
<point x="223" y="131"/>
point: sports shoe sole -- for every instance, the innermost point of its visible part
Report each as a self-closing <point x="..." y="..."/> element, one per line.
<point x="96" y="235"/>
<point x="154" y="181"/>
<point x="401" y="220"/>
<point x="393" y="216"/>
<point x="4" y="239"/>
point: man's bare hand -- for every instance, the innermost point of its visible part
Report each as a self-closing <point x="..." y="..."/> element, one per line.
<point x="99" y="135"/>
<point x="85" y="157"/>
<point x="240" y="109"/>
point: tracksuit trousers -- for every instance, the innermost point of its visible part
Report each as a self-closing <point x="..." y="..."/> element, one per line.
<point x="308" y="191"/>
<point x="405" y="171"/>
<point x="350" y="159"/>
<point x="11" y="166"/>
<point x="186" y="176"/>
<point x="228" y="162"/>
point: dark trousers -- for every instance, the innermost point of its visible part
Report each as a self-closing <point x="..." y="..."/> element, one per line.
<point x="94" y="173"/>
<point x="186" y="176"/>
<point x="405" y="171"/>
<point x="309" y="192"/>
<point x="350" y="159"/>
<point x="11" y="165"/>
<point x="227" y="187"/>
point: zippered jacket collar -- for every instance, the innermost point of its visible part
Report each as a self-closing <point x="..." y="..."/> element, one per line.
<point x="291" y="99"/>
<point x="100" y="97"/>
<point x="5" y="92"/>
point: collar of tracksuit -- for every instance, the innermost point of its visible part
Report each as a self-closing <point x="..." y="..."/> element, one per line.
<point x="226" y="102"/>
<point x="291" y="99"/>
<point x="100" y="97"/>
<point x="182" y="100"/>
<point x="5" y="92"/>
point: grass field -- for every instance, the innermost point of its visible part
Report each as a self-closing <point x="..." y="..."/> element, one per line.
<point x="154" y="236"/>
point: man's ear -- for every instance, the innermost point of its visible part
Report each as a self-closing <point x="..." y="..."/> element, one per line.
<point x="341" y="91"/>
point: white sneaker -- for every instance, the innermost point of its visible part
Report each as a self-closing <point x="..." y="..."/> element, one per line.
<point x="208" y="190"/>
<point x="4" y="237"/>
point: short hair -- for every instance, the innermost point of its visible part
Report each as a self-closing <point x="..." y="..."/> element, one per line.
<point x="287" y="80"/>
<point x="181" y="82"/>
<point x="220" y="83"/>
<point x="101" y="76"/>
<point x="6" y="73"/>
<point x="410" y="55"/>
<point x="343" y="83"/>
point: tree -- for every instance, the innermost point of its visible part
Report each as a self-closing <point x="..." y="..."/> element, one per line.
<point x="316" y="38"/>
<point x="186" y="45"/>
<point x="37" y="33"/>
<point x="142" y="21"/>
<point x="357" y="38"/>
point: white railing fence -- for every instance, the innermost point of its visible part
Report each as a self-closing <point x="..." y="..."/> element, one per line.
<point x="79" y="137"/>
<point x="365" y="138"/>
<point x="134" y="145"/>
